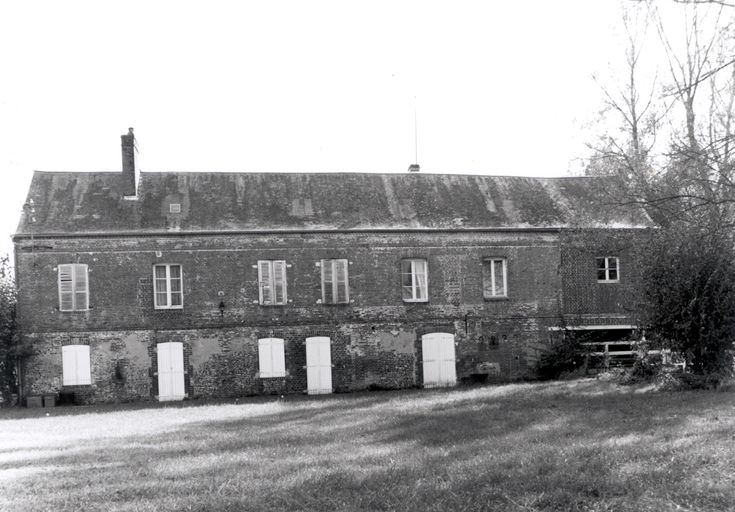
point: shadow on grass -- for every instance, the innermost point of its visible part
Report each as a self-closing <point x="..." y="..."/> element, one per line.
<point x="559" y="446"/>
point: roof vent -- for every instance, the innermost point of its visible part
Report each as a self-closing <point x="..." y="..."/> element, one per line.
<point x="414" y="168"/>
<point x="174" y="208"/>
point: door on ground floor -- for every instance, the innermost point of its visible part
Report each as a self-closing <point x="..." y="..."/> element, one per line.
<point x="170" y="371"/>
<point x="318" y="365"/>
<point x="438" y="360"/>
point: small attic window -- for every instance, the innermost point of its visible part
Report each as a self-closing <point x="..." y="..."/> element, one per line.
<point x="174" y="208"/>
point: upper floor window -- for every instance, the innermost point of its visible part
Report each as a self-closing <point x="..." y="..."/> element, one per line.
<point x="494" y="278"/>
<point x="607" y="269"/>
<point x="73" y="288"/>
<point x="335" y="286"/>
<point x="415" y="280"/>
<point x="75" y="365"/>
<point x="272" y="282"/>
<point x="168" y="287"/>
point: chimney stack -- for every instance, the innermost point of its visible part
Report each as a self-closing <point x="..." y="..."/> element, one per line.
<point x="129" y="169"/>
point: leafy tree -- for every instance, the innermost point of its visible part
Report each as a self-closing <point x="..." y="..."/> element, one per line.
<point x="690" y="292"/>
<point x="7" y="332"/>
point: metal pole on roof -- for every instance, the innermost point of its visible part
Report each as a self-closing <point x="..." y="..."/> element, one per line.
<point x="415" y="132"/>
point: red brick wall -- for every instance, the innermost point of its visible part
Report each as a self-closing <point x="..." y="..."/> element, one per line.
<point x="584" y="297"/>
<point x="375" y="339"/>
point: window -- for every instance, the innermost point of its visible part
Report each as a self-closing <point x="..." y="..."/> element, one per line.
<point x="494" y="278"/>
<point x="414" y="280"/>
<point x="272" y="358"/>
<point x="607" y="269"/>
<point x="335" y="287"/>
<point x="168" y="290"/>
<point x="272" y="282"/>
<point x="73" y="288"/>
<point x="75" y="365"/>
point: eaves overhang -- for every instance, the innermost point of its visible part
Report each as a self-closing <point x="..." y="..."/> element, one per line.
<point x="167" y="233"/>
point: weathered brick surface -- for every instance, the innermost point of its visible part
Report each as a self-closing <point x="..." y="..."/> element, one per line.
<point x="585" y="300"/>
<point x="376" y="339"/>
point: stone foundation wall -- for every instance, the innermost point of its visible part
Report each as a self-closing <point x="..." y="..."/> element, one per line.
<point x="224" y="363"/>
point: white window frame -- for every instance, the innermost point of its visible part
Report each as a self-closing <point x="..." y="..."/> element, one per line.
<point x="607" y="269"/>
<point x="271" y="358"/>
<point x="74" y="271"/>
<point x="330" y="292"/>
<point x="269" y="281"/>
<point x="168" y="304"/>
<point x="492" y="262"/>
<point x="75" y="364"/>
<point x="415" y="284"/>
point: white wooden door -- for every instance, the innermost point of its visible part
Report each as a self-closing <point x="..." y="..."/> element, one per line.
<point x="170" y="371"/>
<point x="438" y="359"/>
<point x="318" y="365"/>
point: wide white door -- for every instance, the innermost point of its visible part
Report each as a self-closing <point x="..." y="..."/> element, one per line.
<point x="438" y="360"/>
<point x="318" y="365"/>
<point x="170" y="371"/>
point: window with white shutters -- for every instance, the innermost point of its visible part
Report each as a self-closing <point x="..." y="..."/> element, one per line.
<point x="272" y="282"/>
<point x="494" y="278"/>
<point x="607" y="269"/>
<point x="168" y="290"/>
<point x="73" y="287"/>
<point x="271" y="357"/>
<point x="414" y="280"/>
<point x="75" y="365"/>
<point x="335" y="283"/>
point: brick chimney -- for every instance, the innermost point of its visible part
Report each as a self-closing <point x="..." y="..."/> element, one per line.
<point x="129" y="170"/>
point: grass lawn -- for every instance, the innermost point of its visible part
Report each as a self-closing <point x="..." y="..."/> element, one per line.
<point x="581" y="445"/>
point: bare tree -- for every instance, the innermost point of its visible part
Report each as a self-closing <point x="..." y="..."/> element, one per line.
<point x="690" y="168"/>
<point x="687" y="181"/>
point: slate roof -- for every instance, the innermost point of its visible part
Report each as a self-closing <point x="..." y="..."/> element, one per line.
<point x="86" y="203"/>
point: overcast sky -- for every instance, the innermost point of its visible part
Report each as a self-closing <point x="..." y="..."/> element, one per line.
<point x="497" y="87"/>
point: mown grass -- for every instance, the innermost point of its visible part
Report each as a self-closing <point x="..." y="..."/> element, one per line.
<point x="585" y="445"/>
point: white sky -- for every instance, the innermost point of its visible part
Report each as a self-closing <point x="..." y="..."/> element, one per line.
<point x="500" y="87"/>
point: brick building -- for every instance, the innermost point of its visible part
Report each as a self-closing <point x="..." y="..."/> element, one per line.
<point x="173" y="285"/>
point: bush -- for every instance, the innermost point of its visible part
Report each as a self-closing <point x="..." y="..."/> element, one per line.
<point x="565" y="357"/>
<point x="646" y="368"/>
<point x="689" y="286"/>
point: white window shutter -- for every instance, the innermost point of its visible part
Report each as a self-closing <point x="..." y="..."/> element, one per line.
<point x="327" y="279"/>
<point x="83" y="365"/>
<point x="69" y="365"/>
<point x="66" y="288"/>
<point x="342" y="294"/>
<point x="265" y="358"/>
<point x="76" y="365"/>
<point x="279" y="358"/>
<point x="271" y="357"/>
<point x="279" y="282"/>
<point x="81" y="287"/>
<point x="264" y="282"/>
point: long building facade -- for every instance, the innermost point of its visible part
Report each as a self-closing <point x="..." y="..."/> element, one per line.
<point x="166" y="286"/>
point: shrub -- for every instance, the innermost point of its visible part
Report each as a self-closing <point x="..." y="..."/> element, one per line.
<point x="565" y="357"/>
<point x="646" y="368"/>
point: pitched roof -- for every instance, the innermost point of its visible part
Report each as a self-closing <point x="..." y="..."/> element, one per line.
<point x="84" y="203"/>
